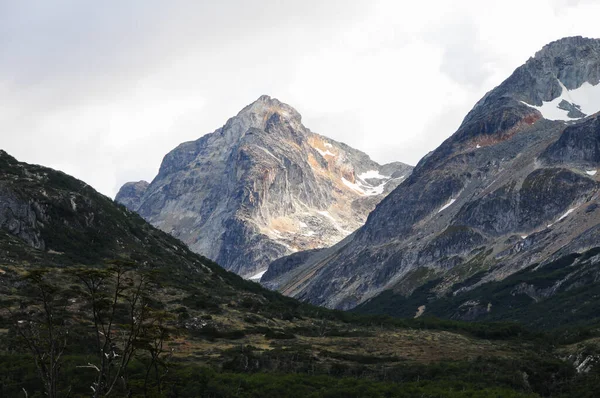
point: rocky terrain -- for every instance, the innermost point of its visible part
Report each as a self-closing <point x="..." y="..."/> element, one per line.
<point x="199" y="330"/>
<point x="261" y="187"/>
<point x="516" y="185"/>
<point x="561" y="293"/>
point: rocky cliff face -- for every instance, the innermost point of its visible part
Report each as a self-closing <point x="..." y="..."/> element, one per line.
<point x="261" y="187"/>
<point x="130" y="194"/>
<point x="515" y="185"/>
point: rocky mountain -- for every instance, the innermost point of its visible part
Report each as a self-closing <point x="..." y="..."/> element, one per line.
<point x="200" y="330"/>
<point x="562" y="293"/>
<point x="515" y="186"/>
<point x="261" y="187"/>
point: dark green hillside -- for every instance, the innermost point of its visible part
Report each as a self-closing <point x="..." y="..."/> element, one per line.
<point x="563" y="293"/>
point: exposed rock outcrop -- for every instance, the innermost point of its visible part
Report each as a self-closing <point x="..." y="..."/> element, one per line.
<point x="261" y="187"/>
<point x="131" y="193"/>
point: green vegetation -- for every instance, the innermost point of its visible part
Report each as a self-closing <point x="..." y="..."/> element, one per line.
<point x="195" y="381"/>
<point x="303" y="351"/>
<point x="565" y="288"/>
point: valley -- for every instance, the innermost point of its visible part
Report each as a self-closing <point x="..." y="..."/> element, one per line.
<point x="265" y="260"/>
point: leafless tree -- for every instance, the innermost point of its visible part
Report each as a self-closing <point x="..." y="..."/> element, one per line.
<point x="119" y="301"/>
<point x="43" y="326"/>
<point x="118" y="306"/>
<point x="156" y="333"/>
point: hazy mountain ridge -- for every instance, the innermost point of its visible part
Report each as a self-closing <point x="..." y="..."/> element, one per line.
<point x="261" y="187"/>
<point x="510" y="188"/>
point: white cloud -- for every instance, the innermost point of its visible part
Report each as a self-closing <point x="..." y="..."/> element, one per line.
<point x="104" y="91"/>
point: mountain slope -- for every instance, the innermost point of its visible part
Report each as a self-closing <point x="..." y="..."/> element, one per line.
<point x="515" y="185"/>
<point x="48" y="218"/>
<point x="563" y="293"/>
<point x="221" y="327"/>
<point x="261" y="187"/>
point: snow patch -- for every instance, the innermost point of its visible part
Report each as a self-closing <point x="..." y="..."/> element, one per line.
<point x="478" y="146"/>
<point x="562" y="217"/>
<point x="420" y="311"/>
<point x="523" y="236"/>
<point x="378" y="190"/>
<point x="587" y="97"/>
<point x="325" y="153"/>
<point x="257" y="277"/>
<point x="591" y="172"/>
<point x="372" y="174"/>
<point x="370" y="190"/>
<point x="566" y="214"/>
<point x="328" y="145"/>
<point x="447" y="205"/>
<point x="309" y="233"/>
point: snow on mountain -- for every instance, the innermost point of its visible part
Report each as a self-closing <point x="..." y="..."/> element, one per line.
<point x="571" y="104"/>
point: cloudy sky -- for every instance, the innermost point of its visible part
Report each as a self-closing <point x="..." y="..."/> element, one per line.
<point x="104" y="89"/>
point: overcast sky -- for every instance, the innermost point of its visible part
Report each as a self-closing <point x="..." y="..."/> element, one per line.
<point x="104" y="89"/>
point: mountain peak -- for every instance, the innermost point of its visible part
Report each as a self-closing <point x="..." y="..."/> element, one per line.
<point x="572" y="44"/>
<point x="131" y="192"/>
<point x="571" y="60"/>
<point x="260" y="187"/>
<point x="265" y="106"/>
<point x="507" y="190"/>
<point x="265" y="98"/>
<point x="552" y="75"/>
